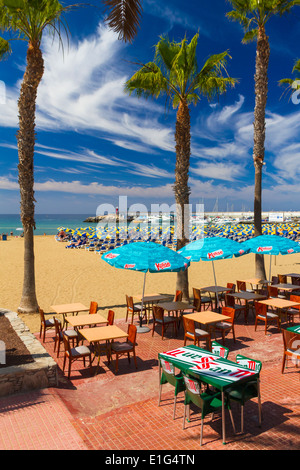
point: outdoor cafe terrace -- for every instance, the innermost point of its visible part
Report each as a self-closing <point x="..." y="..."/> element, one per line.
<point x="119" y="411"/>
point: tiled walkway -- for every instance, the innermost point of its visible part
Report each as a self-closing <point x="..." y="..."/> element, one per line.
<point x="119" y="411"/>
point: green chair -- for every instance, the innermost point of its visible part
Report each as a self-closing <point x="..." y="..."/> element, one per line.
<point x="168" y="376"/>
<point x="219" y="349"/>
<point x="208" y="401"/>
<point x="245" y="392"/>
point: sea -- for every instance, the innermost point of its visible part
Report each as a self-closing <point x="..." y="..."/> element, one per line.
<point x="45" y="223"/>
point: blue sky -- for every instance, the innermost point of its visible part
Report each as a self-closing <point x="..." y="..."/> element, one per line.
<point x="95" y="143"/>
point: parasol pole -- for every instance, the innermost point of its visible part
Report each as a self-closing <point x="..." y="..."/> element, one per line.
<point x="141" y="328"/>
<point x="215" y="283"/>
<point x="270" y="268"/>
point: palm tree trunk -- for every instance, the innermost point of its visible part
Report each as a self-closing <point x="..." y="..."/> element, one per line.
<point x="26" y="139"/>
<point x="261" y="93"/>
<point x="181" y="188"/>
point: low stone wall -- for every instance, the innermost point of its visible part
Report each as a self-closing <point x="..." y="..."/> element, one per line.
<point x="41" y="373"/>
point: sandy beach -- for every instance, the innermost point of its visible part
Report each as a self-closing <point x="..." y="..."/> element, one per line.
<point x="65" y="276"/>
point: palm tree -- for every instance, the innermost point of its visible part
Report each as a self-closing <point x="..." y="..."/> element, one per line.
<point x="27" y="20"/>
<point x="123" y="17"/>
<point x="175" y="74"/>
<point x="253" y="15"/>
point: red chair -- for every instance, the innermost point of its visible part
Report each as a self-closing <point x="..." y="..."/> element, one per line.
<point x="195" y="334"/>
<point x="73" y="354"/>
<point x="160" y="319"/>
<point x="45" y="324"/>
<point x="262" y="314"/>
<point x="226" y="325"/>
<point x="126" y="347"/>
<point x="71" y="334"/>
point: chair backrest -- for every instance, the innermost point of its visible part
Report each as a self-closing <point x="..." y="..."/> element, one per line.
<point x="189" y="325"/>
<point x="167" y="367"/>
<point x="261" y="309"/>
<point x="296" y="281"/>
<point x="42" y="316"/>
<point x="193" y="391"/>
<point x="282" y="279"/>
<point x="229" y="312"/>
<point x="252" y="364"/>
<point x="158" y="312"/>
<point x="58" y="327"/>
<point x="219" y="349"/>
<point x="290" y="340"/>
<point x="110" y="317"/>
<point x="231" y="285"/>
<point x="67" y="344"/>
<point x="229" y="301"/>
<point x="197" y="299"/>
<point x="272" y="291"/>
<point x="132" y="330"/>
<point x="178" y="296"/>
<point x="93" y="307"/>
<point x="275" y="280"/>
<point x="241" y="286"/>
<point x="295" y="298"/>
<point x="129" y="303"/>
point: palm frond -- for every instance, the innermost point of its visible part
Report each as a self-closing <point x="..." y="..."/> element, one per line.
<point x="250" y="36"/>
<point x="123" y="17"/>
<point x="147" y="82"/>
<point x="5" y="48"/>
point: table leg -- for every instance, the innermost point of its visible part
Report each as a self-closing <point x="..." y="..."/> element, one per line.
<point x="223" y="418"/>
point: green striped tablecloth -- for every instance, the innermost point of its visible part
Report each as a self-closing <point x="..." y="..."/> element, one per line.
<point x="208" y="367"/>
<point x="294" y="329"/>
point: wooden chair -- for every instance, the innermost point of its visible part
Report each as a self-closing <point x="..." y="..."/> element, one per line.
<point x="125" y="348"/>
<point x="241" y="287"/>
<point x="239" y="308"/>
<point x="262" y="314"/>
<point x="228" y="325"/>
<point x="93" y="308"/>
<point x="274" y="280"/>
<point x="291" y="348"/>
<point x="195" y="334"/>
<point x="72" y="335"/>
<point x="168" y="376"/>
<point x="178" y="296"/>
<point x="296" y="282"/>
<point x="45" y="324"/>
<point x="160" y="319"/>
<point x="282" y="278"/>
<point x="110" y="317"/>
<point x="200" y="300"/>
<point x="73" y="354"/>
<point x="133" y="309"/>
<point x="292" y="312"/>
<point x="232" y="287"/>
<point x="273" y="293"/>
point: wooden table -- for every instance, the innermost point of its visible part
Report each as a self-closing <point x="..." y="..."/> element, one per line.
<point x="207" y="317"/>
<point x="150" y="299"/>
<point x="248" y="297"/>
<point x="256" y="282"/>
<point x="86" y="320"/>
<point x="216" y="290"/>
<point x="102" y="333"/>
<point x="64" y="309"/>
<point x="286" y="287"/>
<point x="279" y="304"/>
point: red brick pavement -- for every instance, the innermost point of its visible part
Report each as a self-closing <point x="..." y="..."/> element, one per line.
<point x="110" y="411"/>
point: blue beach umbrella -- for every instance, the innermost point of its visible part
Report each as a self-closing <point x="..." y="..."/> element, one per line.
<point x="271" y="245"/>
<point x="146" y="257"/>
<point x="213" y="248"/>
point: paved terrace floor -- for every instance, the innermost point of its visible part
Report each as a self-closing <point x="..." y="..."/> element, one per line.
<point x="120" y="411"/>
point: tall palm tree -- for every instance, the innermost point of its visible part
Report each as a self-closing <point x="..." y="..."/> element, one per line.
<point x="123" y="17"/>
<point x="254" y="15"/>
<point x="175" y="74"/>
<point x="27" y="20"/>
